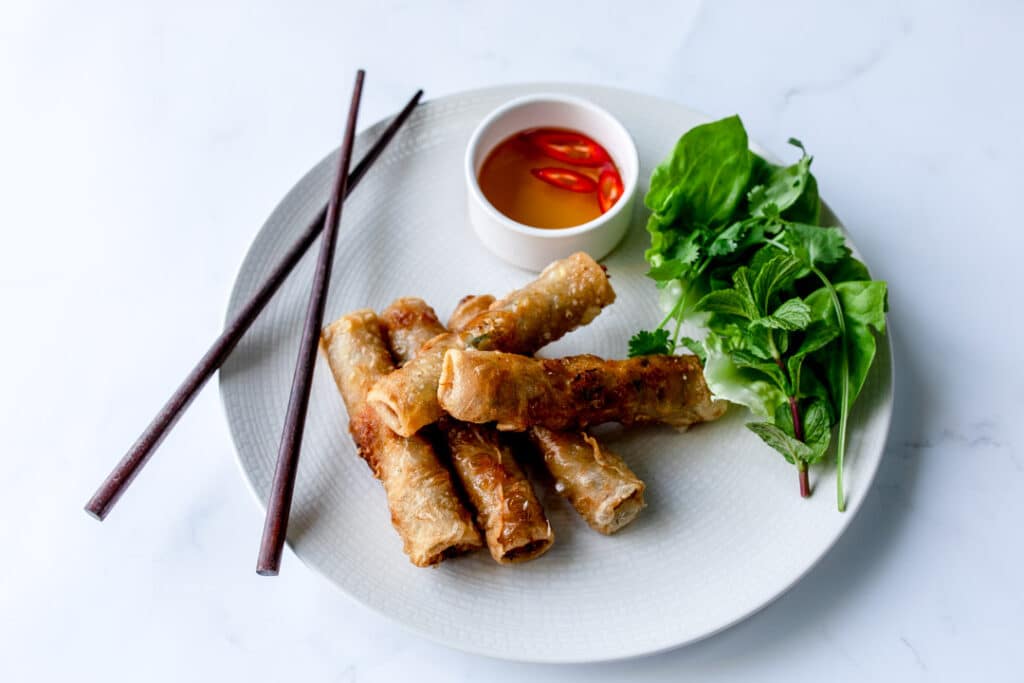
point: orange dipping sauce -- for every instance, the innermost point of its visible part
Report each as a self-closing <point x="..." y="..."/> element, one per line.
<point x="550" y="178"/>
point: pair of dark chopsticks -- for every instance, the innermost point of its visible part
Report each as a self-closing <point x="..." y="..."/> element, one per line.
<point x="326" y="221"/>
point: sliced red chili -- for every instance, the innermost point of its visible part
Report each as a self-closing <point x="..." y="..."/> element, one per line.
<point x="572" y="148"/>
<point x="565" y="179"/>
<point x="609" y="188"/>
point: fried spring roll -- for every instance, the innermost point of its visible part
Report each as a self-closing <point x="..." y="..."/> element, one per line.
<point x="410" y="323"/>
<point x="515" y="526"/>
<point x="468" y="308"/>
<point x="567" y="294"/>
<point x="513" y="520"/>
<point x="518" y="392"/>
<point x="425" y="510"/>
<point x="597" y="482"/>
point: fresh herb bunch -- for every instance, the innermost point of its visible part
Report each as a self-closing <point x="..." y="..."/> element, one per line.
<point x="790" y="314"/>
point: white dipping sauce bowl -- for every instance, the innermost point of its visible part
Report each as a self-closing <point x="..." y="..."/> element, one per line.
<point x="534" y="248"/>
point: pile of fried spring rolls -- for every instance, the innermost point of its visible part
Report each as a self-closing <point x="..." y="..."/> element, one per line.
<point x="430" y="429"/>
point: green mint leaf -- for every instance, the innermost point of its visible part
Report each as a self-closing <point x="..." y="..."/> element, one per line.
<point x="794" y="313"/>
<point x="741" y="282"/>
<point x="746" y="359"/>
<point x="774" y="276"/>
<point x="817" y="335"/>
<point x="763" y="256"/>
<point x="790" y="316"/>
<point x="783" y="419"/>
<point x="759" y="340"/>
<point x="796" y="143"/>
<point x="814" y="426"/>
<point x="791" y="449"/>
<point x="646" y="343"/>
<point x="728" y="302"/>
<point x="817" y="424"/>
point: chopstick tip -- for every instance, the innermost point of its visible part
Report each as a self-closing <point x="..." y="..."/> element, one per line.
<point x="97" y="507"/>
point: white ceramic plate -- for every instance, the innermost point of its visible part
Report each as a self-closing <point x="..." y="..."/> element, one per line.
<point x="725" y="531"/>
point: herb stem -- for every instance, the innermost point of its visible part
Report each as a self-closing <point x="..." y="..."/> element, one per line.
<point x="675" y="337"/>
<point x="805" y="482"/>
<point x="844" y="361"/>
<point x="844" y="408"/>
<point x="671" y="314"/>
<point x="798" y="428"/>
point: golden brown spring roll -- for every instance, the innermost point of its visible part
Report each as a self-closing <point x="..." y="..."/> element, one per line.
<point x="567" y="294"/>
<point x="515" y="526"/>
<point x="409" y="323"/>
<point x="425" y="510"/>
<point x="518" y="392"/>
<point x="467" y="309"/>
<point x="596" y="481"/>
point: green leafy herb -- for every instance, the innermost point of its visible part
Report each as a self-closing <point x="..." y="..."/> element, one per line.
<point x="705" y="177"/>
<point x="782" y="188"/>
<point x="645" y="343"/>
<point x="790" y="314"/>
<point x="694" y="347"/>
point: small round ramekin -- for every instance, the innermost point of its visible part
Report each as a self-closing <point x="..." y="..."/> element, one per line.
<point x="533" y="248"/>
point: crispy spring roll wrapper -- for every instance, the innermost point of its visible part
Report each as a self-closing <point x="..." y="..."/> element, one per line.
<point x="515" y="526"/>
<point x="518" y="392"/>
<point x="513" y="520"/>
<point x="597" y="482"/>
<point x="425" y="510"/>
<point x="567" y="294"/>
<point x="410" y="323"/>
<point x="468" y="308"/>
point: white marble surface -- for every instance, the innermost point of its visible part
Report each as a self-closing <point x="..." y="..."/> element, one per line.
<point x="142" y="144"/>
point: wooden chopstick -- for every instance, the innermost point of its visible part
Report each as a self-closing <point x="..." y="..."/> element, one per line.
<point x="279" y="505"/>
<point x="121" y="477"/>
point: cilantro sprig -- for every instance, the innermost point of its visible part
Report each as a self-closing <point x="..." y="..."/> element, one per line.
<point x="790" y="315"/>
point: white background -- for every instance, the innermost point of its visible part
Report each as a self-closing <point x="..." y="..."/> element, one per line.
<point x="141" y="146"/>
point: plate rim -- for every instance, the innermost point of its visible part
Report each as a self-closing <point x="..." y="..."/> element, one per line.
<point x="511" y="89"/>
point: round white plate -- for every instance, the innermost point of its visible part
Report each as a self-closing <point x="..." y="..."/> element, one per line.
<point x="725" y="531"/>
